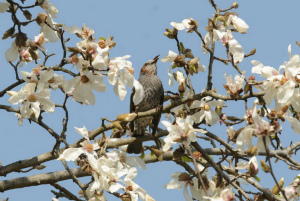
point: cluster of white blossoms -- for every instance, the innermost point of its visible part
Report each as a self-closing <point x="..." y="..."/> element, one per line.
<point x="112" y="171"/>
<point x="93" y="59"/>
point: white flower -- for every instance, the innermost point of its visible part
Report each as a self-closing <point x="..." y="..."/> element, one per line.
<point x="48" y="7"/>
<point x="207" y="112"/>
<point x="49" y="79"/>
<point x="32" y="101"/>
<point x="238" y="23"/>
<point x="236" y="86"/>
<point x="71" y="154"/>
<point x="12" y="53"/>
<point x="209" y="39"/>
<point x="170" y="58"/>
<point x="81" y="87"/>
<point x="183" y="132"/>
<point x="48" y="32"/>
<point x="181" y="25"/>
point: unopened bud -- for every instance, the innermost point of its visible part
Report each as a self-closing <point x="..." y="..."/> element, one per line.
<point x="251" y="77"/>
<point x="218" y="110"/>
<point x="221" y="18"/>
<point x="41" y="18"/>
<point x="275" y="189"/>
<point x="247" y="88"/>
<point x="193" y="23"/>
<point x="21" y="39"/>
<point x="126" y="117"/>
<point x="27" y="14"/>
<point x="253" y="51"/>
<point x="283" y="109"/>
<point x="8" y="33"/>
<point x="169" y="35"/>
<point x="179" y="61"/>
<point x="33" y="55"/>
<point x="264" y="166"/>
<point x="74" y="49"/>
<point x="175" y="31"/>
<point x="189" y="55"/>
<point x="235" y="5"/>
<point x="181" y="88"/>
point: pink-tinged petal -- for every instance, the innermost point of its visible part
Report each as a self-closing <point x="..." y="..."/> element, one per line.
<point x="139" y="92"/>
<point x="286" y="92"/>
<point x="12" y="53"/>
<point x="4" y="6"/>
<point x="71" y="154"/>
<point x="236" y="50"/>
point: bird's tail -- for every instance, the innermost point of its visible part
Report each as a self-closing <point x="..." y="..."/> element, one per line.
<point x="135" y="147"/>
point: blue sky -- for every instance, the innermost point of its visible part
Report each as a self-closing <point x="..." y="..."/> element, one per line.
<point x="138" y="28"/>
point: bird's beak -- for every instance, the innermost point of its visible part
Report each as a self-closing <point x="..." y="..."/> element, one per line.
<point x="156" y="59"/>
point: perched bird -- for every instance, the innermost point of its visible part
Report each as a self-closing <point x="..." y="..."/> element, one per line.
<point x="153" y="98"/>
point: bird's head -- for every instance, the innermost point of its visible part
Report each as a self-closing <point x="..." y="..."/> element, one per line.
<point x="149" y="67"/>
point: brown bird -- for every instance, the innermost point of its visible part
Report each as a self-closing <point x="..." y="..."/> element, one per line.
<point x="153" y="98"/>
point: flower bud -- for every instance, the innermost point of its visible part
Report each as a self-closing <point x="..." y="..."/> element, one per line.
<point x="117" y="125"/>
<point x="8" y="33"/>
<point x="27" y="14"/>
<point x="235" y="5"/>
<point x="179" y="61"/>
<point x="40" y="167"/>
<point x="252" y="151"/>
<point x="21" y="39"/>
<point x="41" y="18"/>
<point x="253" y="51"/>
<point x="181" y="88"/>
<point x="193" y="23"/>
<point x="74" y="49"/>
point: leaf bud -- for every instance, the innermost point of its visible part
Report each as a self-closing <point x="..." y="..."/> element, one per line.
<point x="264" y="166"/>
<point x="275" y="189"/>
<point x="126" y="117"/>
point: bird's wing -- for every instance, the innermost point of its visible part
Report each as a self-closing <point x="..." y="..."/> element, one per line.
<point x="156" y="119"/>
<point x="132" y="108"/>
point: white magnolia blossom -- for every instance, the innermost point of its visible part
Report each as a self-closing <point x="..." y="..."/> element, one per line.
<point x="32" y="101"/>
<point x="183" y="132"/>
<point x="81" y="87"/>
<point x="12" y="53"/>
<point x="238" y="23"/>
<point x="181" y="25"/>
<point x="71" y="154"/>
<point x="235" y="86"/>
<point x="207" y="112"/>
